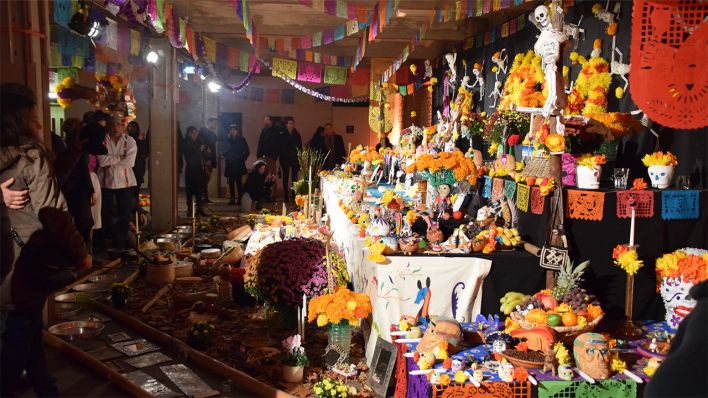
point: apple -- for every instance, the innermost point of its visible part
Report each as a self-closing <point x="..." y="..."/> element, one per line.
<point x="457" y="215"/>
<point x="549" y="302"/>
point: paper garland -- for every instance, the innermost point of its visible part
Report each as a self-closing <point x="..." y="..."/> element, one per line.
<point x="585" y="205"/>
<point x="509" y="189"/>
<point x="335" y="75"/>
<point x="537" y="201"/>
<point x="679" y="205"/>
<point x="309" y="72"/>
<point x="642" y="201"/>
<point x="487" y="190"/>
<point x="497" y="189"/>
<point x="522" y="197"/>
<point x="284" y="68"/>
<point x="601" y="388"/>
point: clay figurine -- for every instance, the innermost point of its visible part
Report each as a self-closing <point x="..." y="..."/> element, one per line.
<point x="565" y="372"/>
<point x="457" y="365"/>
<point x="444" y="334"/>
<point x="434" y="234"/>
<point x="442" y="202"/>
<point x="549" y="359"/>
<point x="478" y="372"/>
<point x="222" y="283"/>
<point x="592" y="355"/>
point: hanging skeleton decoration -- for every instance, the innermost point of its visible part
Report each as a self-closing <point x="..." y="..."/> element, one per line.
<point x="575" y="32"/>
<point x="500" y="58"/>
<point x="619" y="68"/>
<point x="479" y="79"/>
<point x="605" y="15"/>
<point x="428" y="70"/>
<point x="451" y="58"/>
<point x="548" y="46"/>
<point x="496" y="94"/>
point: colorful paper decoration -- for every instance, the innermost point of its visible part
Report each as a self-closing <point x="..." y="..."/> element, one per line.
<point x="537" y="201"/>
<point x="522" y="197"/>
<point x="335" y="75"/>
<point x="210" y="48"/>
<point x="492" y="389"/>
<point x="668" y="79"/>
<point x="601" y="388"/>
<point x="585" y="205"/>
<point x="510" y="189"/>
<point x="679" y="205"/>
<point x="284" y="68"/>
<point x="643" y="202"/>
<point x="487" y="190"/>
<point x="497" y="189"/>
<point x="309" y="72"/>
<point x="287" y="96"/>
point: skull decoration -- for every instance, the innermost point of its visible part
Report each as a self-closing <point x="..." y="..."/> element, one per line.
<point x="457" y="364"/>
<point x="478" y="373"/>
<point x="541" y="16"/>
<point x="506" y="371"/>
<point x="565" y="372"/>
<point x="661" y="176"/>
<point x="677" y="301"/>
<point x="442" y="335"/>
<point x="588" y="178"/>
<point x="592" y="355"/>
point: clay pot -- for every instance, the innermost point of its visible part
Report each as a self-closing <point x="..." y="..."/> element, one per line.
<point x="160" y="274"/>
<point x="588" y="178"/>
<point x="408" y="247"/>
<point x="391" y="245"/>
<point x="477" y="245"/>
<point x="235" y="256"/>
<point x="240" y="234"/>
<point x="293" y="374"/>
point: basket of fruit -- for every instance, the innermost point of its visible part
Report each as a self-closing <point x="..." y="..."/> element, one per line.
<point x="568" y="309"/>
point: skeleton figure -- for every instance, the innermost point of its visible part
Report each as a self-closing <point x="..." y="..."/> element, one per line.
<point x="477" y="72"/>
<point x="428" y="70"/>
<point x="618" y="67"/>
<point x="496" y="94"/>
<point x="548" y="46"/>
<point x="500" y="58"/>
<point x="574" y="31"/>
<point x="605" y="15"/>
<point x="451" y="59"/>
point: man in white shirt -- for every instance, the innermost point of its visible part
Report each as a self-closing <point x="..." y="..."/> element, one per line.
<point x="117" y="178"/>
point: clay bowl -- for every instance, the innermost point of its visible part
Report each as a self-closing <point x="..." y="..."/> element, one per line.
<point x="529" y="364"/>
<point x="210" y="253"/>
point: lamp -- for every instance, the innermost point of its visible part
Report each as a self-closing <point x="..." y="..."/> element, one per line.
<point x="152" y="57"/>
<point x="214" y="87"/>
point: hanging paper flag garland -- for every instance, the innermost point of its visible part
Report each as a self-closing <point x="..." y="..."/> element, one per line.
<point x="256" y="94"/>
<point x="155" y="12"/>
<point x="585" y="205"/>
<point x="641" y="200"/>
<point x="335" y="75"/>
<point x="522" y="197"/>
<point x="510" y="189"/>
<point x="537" y="201"/>
<point x="284" y="68"/>
<point x="210" y="48"/>
<point x="309" y="72"/>
<point x="679" y="205"/>
<point x="272" y="96"/>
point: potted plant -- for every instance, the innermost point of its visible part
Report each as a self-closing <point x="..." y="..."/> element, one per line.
<point x="661" y="167"/>
<point x="589" y="170"/>
<point x="119" y="294"/>
<point x="200" y="335"/>
<point x="293" y="359"/>
<point x="330" y="388"/>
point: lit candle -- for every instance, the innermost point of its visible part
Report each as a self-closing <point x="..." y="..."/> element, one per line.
<point x="631" y="230"/>
<point x="284" y="210"/>
<point x="304" y="316"/>
<point x="532" y="380"/>
<point x="194" y="209"/>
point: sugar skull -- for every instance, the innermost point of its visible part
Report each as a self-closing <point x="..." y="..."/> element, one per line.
<point x="457" y="364"/>
<point x="592" y="355"/>
<point x="588" y="178"/>
<point x="541" y="16"/>
<point x="442" y="335"/>
<point x="478" y="373"/>
<point x="661" y="176"/>
<point x="506" y="371"/>
<point x="677" y="301"/>
<point x="565" y="372"/>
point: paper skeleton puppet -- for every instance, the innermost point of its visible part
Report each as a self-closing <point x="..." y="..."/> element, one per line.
<point x="548" y="47"/>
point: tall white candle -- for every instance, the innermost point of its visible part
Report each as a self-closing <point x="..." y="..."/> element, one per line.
<point x="631" y="230"/>
<point x="137" y="223"/>
<point x="349" y="148"/>
<point x="304" y="316"/>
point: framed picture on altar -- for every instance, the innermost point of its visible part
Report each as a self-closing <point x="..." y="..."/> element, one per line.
<point x="382" y="364"/>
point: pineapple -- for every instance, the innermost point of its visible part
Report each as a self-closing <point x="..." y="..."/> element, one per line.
<point x="569" y="278"/>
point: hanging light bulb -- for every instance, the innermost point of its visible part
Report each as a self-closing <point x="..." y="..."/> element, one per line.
<point x="214" y="87"/>
<point x="152" y="57"/>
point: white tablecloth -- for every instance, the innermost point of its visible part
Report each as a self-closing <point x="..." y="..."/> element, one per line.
<point x="455" y="282"/>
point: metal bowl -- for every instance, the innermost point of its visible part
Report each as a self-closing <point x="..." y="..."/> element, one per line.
<point x="169" y="244"/>
<point x="92" y="287"/>
<point x="77" y="330"/>
<point x="183" y="229"/>
<point x="111" y="277"/>
<point x="76" y="297"/>
<point x="66" y="310"/>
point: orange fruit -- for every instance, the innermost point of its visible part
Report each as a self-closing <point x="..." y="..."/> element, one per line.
<point x="569" y="319"/>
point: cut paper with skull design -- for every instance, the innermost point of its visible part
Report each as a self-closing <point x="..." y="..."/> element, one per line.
<point x="592" y="355"/>
<point x="548" y="47"/>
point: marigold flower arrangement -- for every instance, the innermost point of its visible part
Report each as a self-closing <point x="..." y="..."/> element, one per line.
<point x="619" y="123"/>
<point x="63" y="97"/>
<point x="589" y="94"/>
<point x="330" y="388"/>
<point x="589" y="160"/>
<point x="627" y="258"/>
<point x="660" y="159"/>
<point x="522" y="86"/>
<point x="679" y="264"/>
<point x="446" y="168"/>
<point x="342" y="305"/>
<point x="639" y="184"/>
<point x="359" y="155"/>
<point x="281" y="272"/>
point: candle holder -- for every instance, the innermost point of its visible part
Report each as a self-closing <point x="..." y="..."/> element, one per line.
<point x="629" y="330"/>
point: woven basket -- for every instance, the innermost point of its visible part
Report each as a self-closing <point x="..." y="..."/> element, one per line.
<point x="566" y="333"/>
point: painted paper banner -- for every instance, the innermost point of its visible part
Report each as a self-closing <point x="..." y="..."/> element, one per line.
<point x="522" y="197"/>
<point x="537" y="201"/>
<point x="243" y="61"/>
<point x="679" y="205"/>
<point x="209" y="48"/>
<point x="285" y="68"/>
<point x="134" y="42"/>
<point x="585" y="205"/>
<point x="309" y="72"/>
<point x="111" y="33"/>
<point x="335" y="75"/>
<point x="641" y="200"/>
<point x="510" y="189"/>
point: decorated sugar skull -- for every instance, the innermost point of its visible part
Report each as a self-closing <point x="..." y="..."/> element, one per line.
<point x="588" y="178"/>
<point x="677" y="301"/>
<point x="592" y="355"/>
<point x="443" y="334"/>
<point x="478" y="373"/>
<point x="506" y="371"/>
<point x="457" y="364"/>
<point x="378" y="227"/>
<point x="565" y="372"/>
<point x="434" y="378"/>
<point x="541" y="16"/>
<point x="661" y="176"/>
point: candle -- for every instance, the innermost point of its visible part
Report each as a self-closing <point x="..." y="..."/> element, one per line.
<point x="304" y="315"/>
<point x="194" y="209"/>
<point x="633" y="376"/>
<point x="284" y="210"/>
<point x="349" y="146"/>
<point x="585" y="376"/>
<point x="631" y="230"/>
<point x="532" y="380"/>
<point x="137" y="223"/>
<point x="473" y="380"/>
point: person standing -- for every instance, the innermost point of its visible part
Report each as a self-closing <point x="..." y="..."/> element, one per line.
<point x="76" y="186"/>
<point x="143" y="143"/>
<point x="291" y="145"/>
<point x="330" y="144"/>
<point x="117" y="180"/>
<point x="208" y="137"/>
<point x="195" y="154"/>
<point x="32" y="237"/>
<point x="235" y="166"/>
<point x="268" y="146"/>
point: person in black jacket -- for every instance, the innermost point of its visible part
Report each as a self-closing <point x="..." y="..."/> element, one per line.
<point x="208" y="137"/>
<point x="331" y="144"/>
<point x="195" y="154"/>
<point x="77" y="186"/>
<point x="259" y="183"/>
<point x="291" y="144"/>
<point x="269" y="145"/>
<point x="143" y="143"/>
<point x="235" y="156"/>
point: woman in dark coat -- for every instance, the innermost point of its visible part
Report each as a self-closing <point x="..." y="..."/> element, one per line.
<point x="290" y="146"/>
<point x="194" y="152"/>
<point x="259" y="184"/>
<point x="143" y="143"/>
<point x="235" y="156"/>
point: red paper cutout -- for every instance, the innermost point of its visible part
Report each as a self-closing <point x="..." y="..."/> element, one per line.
<point x="643" y="202"/>
<point x="537" y="201"/>
<point x="668" y="73"/>
<point x="401" y="371"/>
<point x="497" y="189"/>
<point x="585" y="205"/>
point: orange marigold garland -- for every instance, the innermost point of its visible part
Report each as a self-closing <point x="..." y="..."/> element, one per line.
<point x="589" y="94"/>
<point x="522" y="86"/>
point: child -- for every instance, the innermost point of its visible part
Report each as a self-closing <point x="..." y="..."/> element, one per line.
<point x="258" y="185"/>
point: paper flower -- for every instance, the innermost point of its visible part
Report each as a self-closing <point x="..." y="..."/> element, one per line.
<point x="617" y="365"/>
<point x="555" y="142"/>
<point x="590" y="160"/>
<point x="520" y="374"/>
<point x="639" y="184"/>
<point x="513" y="139"/>
<point x="660" y="159"/>
<point x="492" y="150"/>
<point x="562" y="354"/>
<point x="627" y="259"/>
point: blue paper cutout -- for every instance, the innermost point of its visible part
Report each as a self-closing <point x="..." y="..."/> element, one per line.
<point x="679" y="205"/>
<point x="487" y="191"/>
